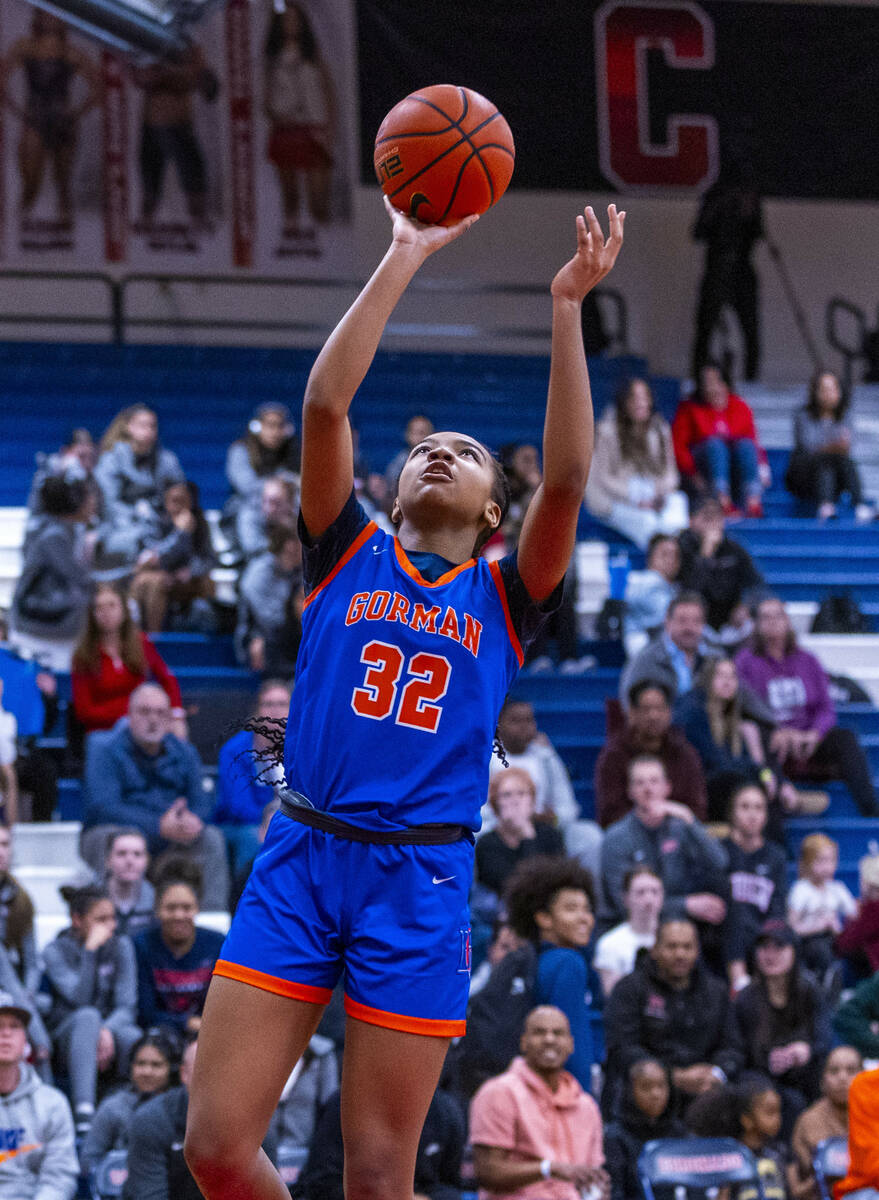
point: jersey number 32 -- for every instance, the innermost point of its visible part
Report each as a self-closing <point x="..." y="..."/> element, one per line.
<point x="427" y="681"/>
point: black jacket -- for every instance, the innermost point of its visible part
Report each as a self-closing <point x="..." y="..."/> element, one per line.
<point x="437" y="1167"/>
<point x="723" y="580"/>
<point x="646" y="1018"/>
<point x="625" y="1138"/>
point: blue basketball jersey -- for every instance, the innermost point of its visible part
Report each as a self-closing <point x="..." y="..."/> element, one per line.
<point x="399" y="680"/>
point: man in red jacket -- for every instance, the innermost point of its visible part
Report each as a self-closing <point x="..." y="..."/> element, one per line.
<point x="716" y="447"/>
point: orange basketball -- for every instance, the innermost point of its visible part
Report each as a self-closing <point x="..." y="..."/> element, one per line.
<point x="443" y="153"/>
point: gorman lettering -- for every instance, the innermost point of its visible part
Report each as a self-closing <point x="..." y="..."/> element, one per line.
<point x="382" y="606"/>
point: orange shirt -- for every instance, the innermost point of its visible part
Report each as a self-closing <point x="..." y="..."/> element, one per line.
<point x="863" y="1135"/>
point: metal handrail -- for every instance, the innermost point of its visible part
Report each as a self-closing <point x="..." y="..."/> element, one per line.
<point x="119" y="321"/>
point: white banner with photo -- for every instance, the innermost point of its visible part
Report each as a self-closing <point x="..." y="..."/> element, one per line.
<point x="239" y="154"/>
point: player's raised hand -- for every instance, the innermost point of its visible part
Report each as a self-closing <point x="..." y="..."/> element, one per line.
<point x="594" y="257"/>
<point x="426" y="238"/>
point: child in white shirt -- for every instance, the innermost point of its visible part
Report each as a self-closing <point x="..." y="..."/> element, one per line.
<point x="818" y="904"/>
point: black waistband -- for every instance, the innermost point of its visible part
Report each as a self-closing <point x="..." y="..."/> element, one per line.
<point x="417" y="835"/>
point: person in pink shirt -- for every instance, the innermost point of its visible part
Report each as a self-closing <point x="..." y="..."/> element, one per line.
<point x="536" y="1134"/>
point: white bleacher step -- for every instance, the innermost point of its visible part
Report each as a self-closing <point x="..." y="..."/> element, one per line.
<point x="47" y="844"/>
<point x="851" y="654"/>
<point x="42" y="884"/>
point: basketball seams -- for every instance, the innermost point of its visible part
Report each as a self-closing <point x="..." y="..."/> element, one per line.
<point x="466" y="137"/>
<point x="454" y="122"/>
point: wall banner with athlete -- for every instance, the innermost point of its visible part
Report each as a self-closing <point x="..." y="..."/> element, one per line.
<point x="240" y="153"/>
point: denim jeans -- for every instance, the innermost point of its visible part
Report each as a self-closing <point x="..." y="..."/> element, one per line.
<point x="731" y="468"/>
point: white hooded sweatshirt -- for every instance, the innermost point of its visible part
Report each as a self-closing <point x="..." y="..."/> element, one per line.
<point x="37" y="1152"/>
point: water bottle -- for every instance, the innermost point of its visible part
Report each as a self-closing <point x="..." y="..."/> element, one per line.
<point x="618" y="573"/>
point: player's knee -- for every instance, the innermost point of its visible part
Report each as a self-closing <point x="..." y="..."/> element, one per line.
<point x="211" y="1153"/>
<point x="374" y="1179"/>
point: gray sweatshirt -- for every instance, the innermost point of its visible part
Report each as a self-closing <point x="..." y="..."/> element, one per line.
<point x="812" y="435"/>
<point x="53" y="591"/>
<point x="109" y="1128"/>
<point x="106" y="979"/>
<point x="38" y="1158"/>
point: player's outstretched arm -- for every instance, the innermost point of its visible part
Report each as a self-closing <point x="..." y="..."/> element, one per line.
<point x="550" y="526"/>
<point x="327" y="457"/>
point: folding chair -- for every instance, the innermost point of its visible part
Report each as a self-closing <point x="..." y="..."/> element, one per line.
<point x="696" y="1165"/>
<point x="830" y="1162"/>
<point x="108" y="1177"/>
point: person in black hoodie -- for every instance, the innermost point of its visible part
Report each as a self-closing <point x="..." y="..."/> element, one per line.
<point x="437" y="1165"/>
<point x="757" y="875"/>
<point x="645" y="1113"/>
<point x="671" y="1008"/>
<point x="721" y="571"/>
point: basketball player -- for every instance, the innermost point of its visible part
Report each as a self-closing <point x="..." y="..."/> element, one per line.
<point x="409" y="645"/>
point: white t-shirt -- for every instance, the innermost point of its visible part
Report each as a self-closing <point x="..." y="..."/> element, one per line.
<point x="8" y="734"/>
<point x="833" y="898"/>
<point x="617" y="949"/>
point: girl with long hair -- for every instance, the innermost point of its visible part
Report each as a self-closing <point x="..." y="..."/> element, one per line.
<point x="633" y="481"/>
<point x="387" y="751"/>
<point x="821" y="468"/>
<point x="112" y="658"/>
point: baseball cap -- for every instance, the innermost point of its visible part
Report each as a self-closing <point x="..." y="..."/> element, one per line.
<point x="778" y="931"/>
<point x="8" y="1005"/>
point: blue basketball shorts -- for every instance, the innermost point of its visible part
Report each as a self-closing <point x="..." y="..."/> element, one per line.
<point x="395" y="919"/>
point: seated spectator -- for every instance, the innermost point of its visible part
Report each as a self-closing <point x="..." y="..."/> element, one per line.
<point x="133" y="471"/>
<point x="311" y="1085"/>
<point x="30" y="695"/>
<point x="39" y="1156"/>
<point x="858" y="940"/>
<point x="534" y="1125"/>
<point x="173" y="568"/>
<point x="526" y="747"/>
<point x="732" y="747"/>
<point x="437" y="1167"/>
<point x="245" y="780"/>
<point x="821" y="469"/>
<point x="783" y="1020"/>
<point x="157" y="1169"/>
<point x="175" y="958"/>
<point x="826" y="1118"/>
<point x="716" y="446"/>
<point x="52" y="593"/>
<point x="672" y="1009"/>
<point x="862" y="1179"/>
<point x="645" y="1113"/>
<point x="818" y="904"/>
<point x="239" y="883"/>
<point x="20" y="968"/>
<point x="757" y="876"/>
<point x="633" y="480"/>
<point x="504" y="939"/>
<point x="550" y="904"/>
<point x="650" y="592"/>
<point x="153" y="1060"/>
<point x="91" y="978"/>
<point x="278" y="506"/>
<point x="616" y="951"/>
<point x="125" y="879"/>
<point x="112" y="658"/>
<point x="269" y="448"/>
<point x="648" y="730"/>
<point x="270" y="605"/>
<point x="675" y="656"/>
<point x="808" y="742"/>
<point x="139" y="774"/>
<point x="75" y="460"/>
<point x="521" y="462"/>
<point x="750" y="1112"/>
<point x="417" y="429"/>
<point x="516" y="835"/>
<point x="856" y="1021"/>
<point x="666" y="836"/>
<point x="8" y="755"/>
<point x="722" y="572"/>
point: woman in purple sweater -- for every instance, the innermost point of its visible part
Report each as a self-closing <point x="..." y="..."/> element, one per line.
<point x="808" y="741"/>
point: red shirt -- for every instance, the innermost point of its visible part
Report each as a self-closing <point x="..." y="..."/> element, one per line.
<point x="101" y="698"/>
<point x="695" y="422"/>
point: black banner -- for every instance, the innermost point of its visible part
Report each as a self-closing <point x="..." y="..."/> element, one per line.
<point x="648" y="96"/>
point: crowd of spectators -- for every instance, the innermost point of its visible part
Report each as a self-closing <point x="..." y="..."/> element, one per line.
<point x="640" y="975"/>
